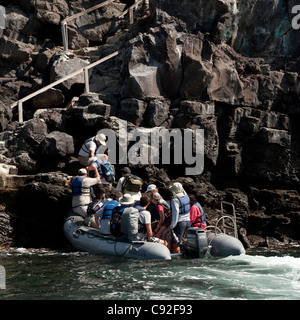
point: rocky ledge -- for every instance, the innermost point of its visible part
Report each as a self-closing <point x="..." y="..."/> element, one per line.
<point x="228" y="67"/>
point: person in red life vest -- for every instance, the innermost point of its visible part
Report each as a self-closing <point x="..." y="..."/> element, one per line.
<point x="197" y="216"/>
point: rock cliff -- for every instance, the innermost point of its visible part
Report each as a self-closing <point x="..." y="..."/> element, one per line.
<point x="226" y="66"/>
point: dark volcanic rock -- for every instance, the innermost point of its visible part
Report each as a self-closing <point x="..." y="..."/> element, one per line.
<point x="187" y="65"/>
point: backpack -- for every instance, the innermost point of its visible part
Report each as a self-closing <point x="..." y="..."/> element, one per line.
<point x="108" y="171"/>
<point x="130" y="221"/>
<point x="115" y="221"/>
<point x="132" y="183"/>
<point x="94" y="206"/>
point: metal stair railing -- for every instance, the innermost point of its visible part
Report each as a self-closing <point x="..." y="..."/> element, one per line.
<point x="64" y="28"/>
<point x="232" y="218"/>
<point x="64" y="23"/>
<point x="83" y="70"/>
<point x="223" y="218"/>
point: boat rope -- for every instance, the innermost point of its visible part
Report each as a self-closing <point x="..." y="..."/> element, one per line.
<point x="122" y="255"/>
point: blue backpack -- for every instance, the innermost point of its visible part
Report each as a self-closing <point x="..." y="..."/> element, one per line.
<point x="108" y="171"/>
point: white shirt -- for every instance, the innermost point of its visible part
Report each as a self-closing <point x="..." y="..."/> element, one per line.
<point x="87" y="148"/>
<point x="135" y="195"/>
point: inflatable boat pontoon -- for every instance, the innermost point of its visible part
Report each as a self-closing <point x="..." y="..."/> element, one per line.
<point x="197" y="243"/>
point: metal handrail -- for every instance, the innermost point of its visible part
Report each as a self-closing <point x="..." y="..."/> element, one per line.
<point x="229" y="217"/>
<point x="53" y="84"/>
<point x="85" y="69"/>
<point x="64" y="23"/>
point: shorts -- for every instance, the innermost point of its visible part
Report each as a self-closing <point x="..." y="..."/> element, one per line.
<point x="180" y="228"/>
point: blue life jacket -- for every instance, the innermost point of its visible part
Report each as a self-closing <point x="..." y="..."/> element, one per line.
<point x="77" y="189"/>
<point x="108" y="208"/>
<point x="184" y="204"/>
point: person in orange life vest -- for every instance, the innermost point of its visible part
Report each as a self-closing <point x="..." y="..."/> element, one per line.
<point x="81" y="191"/>
<point x="197" y="216"/>
<point x="164" y="214"/>
<point x="89" y="148"/>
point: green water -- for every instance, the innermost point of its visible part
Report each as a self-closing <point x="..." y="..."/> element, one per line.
<point x="50" y="275"/>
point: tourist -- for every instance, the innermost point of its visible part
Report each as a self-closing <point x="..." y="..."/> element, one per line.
<point x="152" y="207"/>
<point x="81" y="191"/>
<point x="101" y="219"/>
<point x="197" y="216"/>
<point x="115" y="225"/>
<point x="180" y="215"/>
<point x="87" y="153"/>
<point x="130" y="184"/>
<point x="164" y="214"/>
<point x="144" y="223"/>
<point x="124" y="171"/>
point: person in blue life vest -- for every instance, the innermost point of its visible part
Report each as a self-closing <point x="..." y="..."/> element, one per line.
<point x="125" y="202"/>
<point x="101" y="219"/>
<point x="96" y="166"/>
<point x="81" y="191"/>
<point x="89" y="148"/>
<point x="180" y="215"/>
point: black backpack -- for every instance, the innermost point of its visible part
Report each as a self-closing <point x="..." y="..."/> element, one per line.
<point x="115" y="221"/>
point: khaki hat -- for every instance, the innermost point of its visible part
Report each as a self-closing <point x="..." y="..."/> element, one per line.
<point x="127" y="199"/>
<point x="101" y="138"/>
<point x="156" y="196"/>
<point x="177" y="189"/>
<point x="82" y="172"/>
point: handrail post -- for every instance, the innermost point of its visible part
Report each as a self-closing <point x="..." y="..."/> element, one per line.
<point x="86" y="80"/>
<point x="20" y="111"/>
<point x="131" y="15"/>
<point x="64" y="32"/>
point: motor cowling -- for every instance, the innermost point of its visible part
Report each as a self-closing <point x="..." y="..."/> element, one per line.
<point x="195" y="242"/>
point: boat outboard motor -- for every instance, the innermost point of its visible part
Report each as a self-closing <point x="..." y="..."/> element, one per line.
<point x="195" y="242"/>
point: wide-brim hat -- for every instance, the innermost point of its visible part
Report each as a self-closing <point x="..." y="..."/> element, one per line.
<point x="127" y="199"/>
<point x="177" y="189"/>
<point x="152" y="187"/>
<point x="156" y="196"/>
<point x="101" y="138"/>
